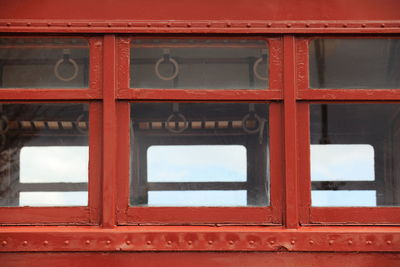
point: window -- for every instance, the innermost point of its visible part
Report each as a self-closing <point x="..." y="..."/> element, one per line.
<point x="49" y="156"/>
<point x="349" y="100"/>
<point x="201" y="136"/>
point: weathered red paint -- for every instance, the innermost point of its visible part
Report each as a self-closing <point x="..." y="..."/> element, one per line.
<point x="290" y="224"/>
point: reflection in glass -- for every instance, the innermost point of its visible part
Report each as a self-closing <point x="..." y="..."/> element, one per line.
<point x="43" y="154"/>
<point x="199" y="154"/>
<point x="44" y="63"/>
<point x="199" y="64"/>
<point x="355" y="63"/>
<point x="355" y="154"/>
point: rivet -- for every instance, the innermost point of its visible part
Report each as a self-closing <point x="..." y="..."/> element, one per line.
<point x="189" y="25"/>
<point x="311" y="242"/>
<point x="148" y="242"/>
<point x="272" y="242"/>
<point x="331" y="242"/>
<point x="292" y="242"/>
<point x="87" y="242"/>
<point x="248" y="25"/>
<point x="308" y="25"/>
<point x="350" y="242"/>
<point x="344" y="25"/>
<point x="128" y="242"/>
<point x="25" y="243"/>
<point x="288" y="25"/>
<point x="8" y="24"/>
<point x="383" y="25"/>
<point x="231" y="242"/>
<point x="269" y="25"/>
<point x="148" y="24"/>
<point x="190" y="242"/>
<point x="49" y="24"/>
<point x="251" y="242"/>
<point x="363" y="25"/>
<point x="389" y="242"/>
<point x="28" y="24"/>
<point x="69" y="24"/>
<point x="45" y="242"/>
<point x="169" y="242"/>
<point x="89" y="24"/>
<point x="129" y="24"/>
<point x="108" y="242"/>
<point x="228" y="24"/>
<point x="369" y="242"/>
<point x="109" y="24"/>
<point x="209" y="24"/>
<point x="169" y="25"/>
<point x="66" y="242"/>
<point x="4" y="243"/>
<point x="210" y="242"/>
<point x="326" y="25"/>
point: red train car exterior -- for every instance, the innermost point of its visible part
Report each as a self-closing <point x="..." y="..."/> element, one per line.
<point x="288" y="232"/>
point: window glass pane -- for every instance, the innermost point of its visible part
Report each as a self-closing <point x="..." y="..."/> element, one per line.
<point x="44" y="63"/>
<point x="197" y="198"/>
<point x="52" y="199"/>
<point x="212" y="163"/>
<point x="353" y="198"/>
<point x="63" y="164"/>
<point x="199" y="64"/>
<point x="355" y="63"/>
<point x="199" y="150"/>
<point x="355" y="151"/>
<point x="43" y="148"/>
<point x="341" y="163"/>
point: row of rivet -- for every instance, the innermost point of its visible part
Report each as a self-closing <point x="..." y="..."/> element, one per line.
<point x="210" y="242"/>
<point x="227" y="24"/>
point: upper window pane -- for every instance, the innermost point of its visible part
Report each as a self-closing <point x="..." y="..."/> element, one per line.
<point x="355" y="63"/>
<point x="44" y="63"/>
<point x="199" y="64"/>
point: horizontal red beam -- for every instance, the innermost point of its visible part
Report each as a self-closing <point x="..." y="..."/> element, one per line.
<point x="195" y="259"/>
<point x="200" y="238"/>
<point x="193" y="26"/>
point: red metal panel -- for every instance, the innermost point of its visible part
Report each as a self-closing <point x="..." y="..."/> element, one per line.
<point x="201" y="10"/>
<point x="200" y="238"/>
<point x="280" y="259"/>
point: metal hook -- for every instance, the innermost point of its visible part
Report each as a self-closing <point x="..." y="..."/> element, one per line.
<point x="263" y="57"/>
<point x="176" y="116"/>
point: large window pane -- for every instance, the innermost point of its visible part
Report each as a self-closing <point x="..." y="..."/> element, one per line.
<point x="199" y="154"/>
<point x="44" y="63"/>
<point x="199" y="64"/>
<point x="355" y="154"/>
<point x="355" y="63"/>
<point x="43" y="154"/>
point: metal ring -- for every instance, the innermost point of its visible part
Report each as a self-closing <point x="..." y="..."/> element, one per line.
<point x="179" y="130"/>
<point x="57" y="72"/>
<point x="244" y="120"/>
<point x="80" y="117"/>
<point x="4" y="124"/>
<point x="255" y="67"/>
<point x="166" y="78"/>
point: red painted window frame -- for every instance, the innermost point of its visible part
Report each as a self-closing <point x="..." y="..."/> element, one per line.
<point x="82" y="215"/>
<point x="305" y="96"/>
<point x="127" y="215"/>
